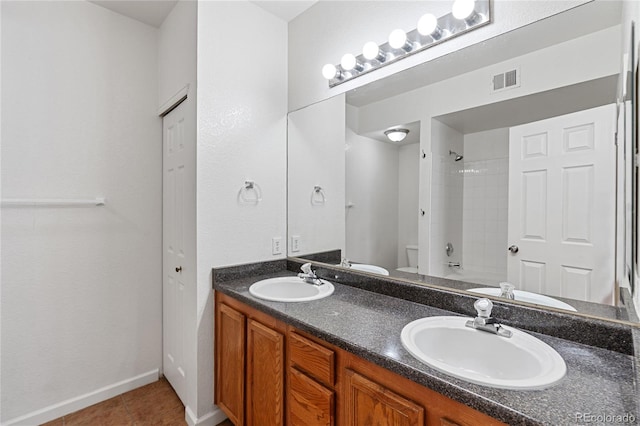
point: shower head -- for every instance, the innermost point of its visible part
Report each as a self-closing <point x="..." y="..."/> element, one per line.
<point x="458" y="156"/>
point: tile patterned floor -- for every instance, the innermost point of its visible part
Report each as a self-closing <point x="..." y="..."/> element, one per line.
<point x="155" y="404"/>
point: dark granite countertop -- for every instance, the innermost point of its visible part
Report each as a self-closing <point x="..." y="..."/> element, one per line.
<point x="599" y="382"/>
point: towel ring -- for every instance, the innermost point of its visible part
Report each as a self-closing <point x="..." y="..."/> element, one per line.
<point x="250" y="193"/>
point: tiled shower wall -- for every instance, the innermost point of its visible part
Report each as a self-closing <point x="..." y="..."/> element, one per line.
<point x="485" y="202"/>
<point x="446" y="196"/>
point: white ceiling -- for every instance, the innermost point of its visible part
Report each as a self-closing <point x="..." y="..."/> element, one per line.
<point x="154" y="12"/>
<point x="151" y="12"/>
<point x="285" y="10"/>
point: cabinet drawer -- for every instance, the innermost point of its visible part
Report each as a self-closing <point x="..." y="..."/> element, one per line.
<point x="310" y="403"/>
<point x="315" y="360"/>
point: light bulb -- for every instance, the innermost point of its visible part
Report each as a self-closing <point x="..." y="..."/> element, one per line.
<point x="348" y="62"/>
<point x="397" y="39"/>
<point x="370" y="50"/>
<point x="427" y="24"/>
<point x="462" y="9"/>
<point x="329" y="71"/>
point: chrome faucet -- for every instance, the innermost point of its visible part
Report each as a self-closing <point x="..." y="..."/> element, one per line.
<point x="346" y="263"/>
<point x="484" y="321"/>
<point x="506" y="290"/>
<point x="453" y="265"/>
<point x="309" y="276"/>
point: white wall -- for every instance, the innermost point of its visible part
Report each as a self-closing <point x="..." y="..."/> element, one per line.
<point x="242" y="106"/>
<point x="177" y="55"/>
<point x="81" y="287"/>
<point x="316" y="144"/>
<point x="330" y="29"/>
<point x="408" y="193"/>
<point x="485" y="201"/>
<point x="372" y="175"/>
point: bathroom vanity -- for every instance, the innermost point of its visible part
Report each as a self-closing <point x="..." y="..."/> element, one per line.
<point x="339" y="360"/>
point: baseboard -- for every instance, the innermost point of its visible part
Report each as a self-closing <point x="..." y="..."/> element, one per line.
<point x="74" y="404"/>
<point x="212" y="418"/>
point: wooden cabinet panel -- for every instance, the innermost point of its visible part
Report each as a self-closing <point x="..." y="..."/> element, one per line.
<point x="265" y="375"/>
<point x="230" y="357"/>
<point x="312" y="358"/>
<point x="309" y="403"/>
<point x="368" y="403"/>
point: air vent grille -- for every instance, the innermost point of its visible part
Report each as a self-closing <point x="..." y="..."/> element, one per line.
<point x="505" y="80"/>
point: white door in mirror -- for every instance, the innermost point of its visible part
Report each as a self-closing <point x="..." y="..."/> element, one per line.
<point x="562" y="205"/>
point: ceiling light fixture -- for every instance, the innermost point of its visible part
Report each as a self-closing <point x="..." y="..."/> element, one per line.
<point x="466" y="15"/>
<point x="396" y="135"/>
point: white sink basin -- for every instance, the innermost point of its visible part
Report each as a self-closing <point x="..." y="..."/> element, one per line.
<point x="290" y="289"/>
<point x="369" y="268"/>
<point x="518" y="362"/>
<point x="525" y="296"/>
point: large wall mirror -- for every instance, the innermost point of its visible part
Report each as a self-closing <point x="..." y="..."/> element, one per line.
<point x="509" y="170"/>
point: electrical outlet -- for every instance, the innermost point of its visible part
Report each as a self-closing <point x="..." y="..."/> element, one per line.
<point x="276" y="245"/>
<point x="295" y="243"/>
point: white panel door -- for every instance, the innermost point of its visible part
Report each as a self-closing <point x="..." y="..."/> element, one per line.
<point x="178" y="239"/>
<point x="562" y="205"/>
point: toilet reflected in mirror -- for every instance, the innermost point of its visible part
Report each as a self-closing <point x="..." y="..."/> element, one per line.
<point x="412" y="260"/>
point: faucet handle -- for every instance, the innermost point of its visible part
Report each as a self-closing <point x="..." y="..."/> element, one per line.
<point x="506" y="290"/>
<point x="306" y="268"/>
<point x="483" y="307"/>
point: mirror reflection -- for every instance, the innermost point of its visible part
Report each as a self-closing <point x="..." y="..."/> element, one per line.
<point x="503" y="178"/>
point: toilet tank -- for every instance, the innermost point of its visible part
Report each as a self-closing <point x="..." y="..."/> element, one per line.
<point x="412" y="255"/>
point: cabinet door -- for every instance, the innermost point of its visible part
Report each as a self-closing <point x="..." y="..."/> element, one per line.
<point x="368" y="403"/>
<point x="265" y="376"/>
<point x="309" y="403"/>
<point x="230" y="350"/>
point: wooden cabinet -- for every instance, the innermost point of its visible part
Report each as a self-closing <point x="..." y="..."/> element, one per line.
<point x="312" y="358"/>
<point x="265" y="375"/>
<point x="230" y="355"/>
<point x="311" y="379"/>
<point x="249" y="365"/>
<point x="325" y="385"/>
<point x="309" y="403"/>
<point x="369" y="403"/>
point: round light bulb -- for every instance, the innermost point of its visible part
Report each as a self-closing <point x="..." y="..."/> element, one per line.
<point x="462" y="9"/>
<point x="397" y="39"/>
<point x="329" y="71"/>
<point x="348" y="62"/>
<point x="427" y="24"/>
<point x="370" y="50"/>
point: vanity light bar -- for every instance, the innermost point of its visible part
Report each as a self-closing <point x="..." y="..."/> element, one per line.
<point x="467" y="15"/>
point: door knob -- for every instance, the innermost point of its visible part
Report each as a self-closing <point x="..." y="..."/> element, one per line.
<point x="179" y="269"/>
<point x="513" y="249"/>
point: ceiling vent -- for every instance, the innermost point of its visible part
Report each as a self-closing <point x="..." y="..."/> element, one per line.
<point x="506" y="80"/>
